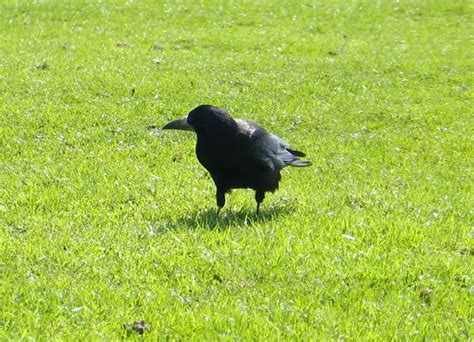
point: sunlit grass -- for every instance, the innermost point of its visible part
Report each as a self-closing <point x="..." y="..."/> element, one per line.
<point x="107" y="221"/>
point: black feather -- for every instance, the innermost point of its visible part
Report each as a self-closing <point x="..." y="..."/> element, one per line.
<point x="296" y="153"/>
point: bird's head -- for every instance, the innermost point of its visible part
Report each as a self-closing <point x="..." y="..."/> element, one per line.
<point x="203" y="119"/>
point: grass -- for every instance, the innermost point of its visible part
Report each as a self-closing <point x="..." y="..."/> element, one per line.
<point x="105" y="222"/>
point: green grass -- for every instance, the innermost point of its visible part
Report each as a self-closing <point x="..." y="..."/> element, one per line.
<point x="104" y="222"/>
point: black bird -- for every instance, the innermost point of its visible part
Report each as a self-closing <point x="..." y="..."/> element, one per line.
<point x="237" y="153"/>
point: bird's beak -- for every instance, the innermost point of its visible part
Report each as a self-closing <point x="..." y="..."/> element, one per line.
<point x="180" y="123"/>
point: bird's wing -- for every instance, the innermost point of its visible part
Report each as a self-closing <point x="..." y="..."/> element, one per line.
<point x="270" y="151"/>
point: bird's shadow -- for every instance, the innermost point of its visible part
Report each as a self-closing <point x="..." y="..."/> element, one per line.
<point x="228" y="217"/>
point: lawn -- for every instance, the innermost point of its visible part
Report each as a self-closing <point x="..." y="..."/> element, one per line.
<point x="106" y="220"/>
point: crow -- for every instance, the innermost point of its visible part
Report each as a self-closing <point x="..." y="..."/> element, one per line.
<point x="237" y="153"/>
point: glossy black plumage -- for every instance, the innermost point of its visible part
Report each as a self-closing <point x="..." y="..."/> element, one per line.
<point x="237" y="153"/>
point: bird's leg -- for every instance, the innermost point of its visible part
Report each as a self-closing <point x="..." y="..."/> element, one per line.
<point x="220" y="198"/>
<point x="259" y="196"/>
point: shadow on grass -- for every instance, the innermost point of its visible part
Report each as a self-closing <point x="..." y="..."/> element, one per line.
<point x="229" y="218"/>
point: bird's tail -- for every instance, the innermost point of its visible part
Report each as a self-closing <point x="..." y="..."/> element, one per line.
<point x="300" y="163"/>
<point x="295" y="161"/>
<point x="296" y="153"/>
